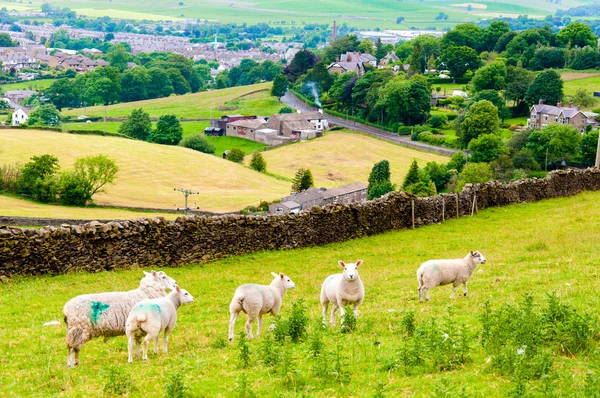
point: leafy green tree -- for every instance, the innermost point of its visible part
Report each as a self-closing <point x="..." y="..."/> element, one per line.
<point x="412" y="177"/>
<point x="134" y="84"/>
<point x="35" y="171"/>
<point x="159" y="84"/>
<point x="258" y="162"/>
<point x="546" y="57"/>
<point x="486" y="147"/>
<point x="523" y="159"/>
<point x="502" y="168"/>
<point x="562" y="142"/>
<point x="523" y="45"/>
<point x="366" y="46"/>
<point x="474" y="173"/>
<point x="490" y="77"/>
<point x="137" y="126"/>
<point x="95" y="172"/>
<point x="417" y="60"/>
<point x="198" y="143"/>
<point x="118" y="57"/>
<point x="321" y="76"/>
<point x="168" y="131"/>
<point x="492" y="34"/>
<point x="480" y="118"/>
<point x="494" y="97"/>
<point x="459" y="60"/>
<point x="6" y="41"/>
<point x="547" y="86"/>
<point x="236" y="155"/>
<point x="63" y="93"/>
<point x="577" y="34"/>
<point x="518" y="81"/>
<point x="457" y="161"/>
<point x="302" y="180"/>
<point x="45" y="115"/>
<point x="379" y="180"/>
<point x="367" y="82"/>
<point x="280" y="86"/>
<point x="583" y="98"/>
<point x="70" y="189"/>
<point x="464" y="35"/>
<point x="589" y="146"/>
<point x="438" y="173"/>
<point x="300" y="64"/>
<point x="380" y="50"/>
<point x="341" y="91"/>
<point x="340" y="46"/>
<point x="180" y="85"/>
<point x="504" y="40"/>
<point x="102" y="86"/>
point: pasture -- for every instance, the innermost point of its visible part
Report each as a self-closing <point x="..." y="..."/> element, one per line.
<point x="35" y="85"/>
<point x="530" y="248"/>
<point x="343" y="157"/>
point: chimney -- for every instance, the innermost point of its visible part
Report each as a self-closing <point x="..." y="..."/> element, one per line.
<point x="559" y="104"/>
<point x="570" y="104"/>
<point x="334" y="31"/>
<point x="298" y="111"/>
<point x="541" y="102"/>
<point x="320" y="111"/>
<point x="578" y="107"/>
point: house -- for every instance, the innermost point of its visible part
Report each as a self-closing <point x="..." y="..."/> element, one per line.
<point x="305" y="200"/>
<point x="244" y="128"/>
<point x="302" y="125"/>
<point x="389" y="59"/>
<point x="541" y="115"/>
<point x="222" y="123"/>
<point x="20" y="116"/>
<point x="18" y="96"/>
<point x="352" y="62"/>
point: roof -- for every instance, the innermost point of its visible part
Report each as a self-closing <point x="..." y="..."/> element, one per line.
<point x="556" y="110"/>
<point x="290" y="204"/>
<point x="250" y="124"/>
<point x="305" y="196"/>
<point x="344" y="189"/>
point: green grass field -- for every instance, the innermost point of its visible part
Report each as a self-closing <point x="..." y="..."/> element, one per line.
<point x="27" y="85"/>
<point x="530" y="249"/>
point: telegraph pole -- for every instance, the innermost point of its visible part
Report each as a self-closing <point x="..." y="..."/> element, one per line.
<point x="186" y="193"/>
<point x="598" y="155"/>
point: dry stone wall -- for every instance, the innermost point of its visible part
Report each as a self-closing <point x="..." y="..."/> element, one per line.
<point x="156" y="242"/>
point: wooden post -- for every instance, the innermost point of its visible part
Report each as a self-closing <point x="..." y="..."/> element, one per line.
<point x="443" y="209"/>
<point x="598" y="155"/>
<point x="413" y="213"/>
<point x="474" y="201"/>
<point x="457" y="211"/>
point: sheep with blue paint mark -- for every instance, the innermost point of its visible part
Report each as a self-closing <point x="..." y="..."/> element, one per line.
<point x="341" y="290"/>
<point x="149" y="318"/>
<point x="105" y="314"/>
<point x="434" y="273"/>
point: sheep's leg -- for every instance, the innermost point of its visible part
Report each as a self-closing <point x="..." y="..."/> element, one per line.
<point x="76" y="356"/>
<point x="325" y="306"/>
<point x="145" y="348"/>
<point x="453" y="290"/>
<point x="71" y="357"/>
<point x="130" y="349"/>
<point x="166" y="339"/>
<point x="466" y="290"/>
<point x="259" y="325"/>
<point x="356" y="309"/>
<point x="156" y="345"/>
<point x="138" y="343"/>
<point x="234" y="317"/>
<point x="420" y="295"/>
<point x="425" y="293"/>
<point x="342" y="314"/>
<point x="334" y="308"/>
<point x="249" y="326"/>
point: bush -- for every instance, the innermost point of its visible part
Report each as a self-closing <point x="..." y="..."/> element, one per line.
<point x="258" y="163"/>
<point x="404" y="130"/>
<point x="286" y="109"/>
<point x="198" y="143"/>
<point x="236" y="155"/>
<point x="10" y="174"/>
<point x="474" y="173"/>
<point x="168" y="131"/>
<point x="437" y="121"/>
<point x="175" y="387"/>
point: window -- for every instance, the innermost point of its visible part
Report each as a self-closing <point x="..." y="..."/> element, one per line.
<point x="545" y="117"/>
<point x="346" y="195"/>
<point x="279" y="210"/>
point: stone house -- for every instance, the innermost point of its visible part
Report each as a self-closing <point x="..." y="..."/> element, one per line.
<point x="352" y="62"/>
<point x="303" y="125"/>
<point x="296" y="202"/>
<point x="542" y="115"/>
<point x="18" y="96"/>
<point x="346" y="194"/>
<point x="20" y="116"/>
<point x="244" y="128"/>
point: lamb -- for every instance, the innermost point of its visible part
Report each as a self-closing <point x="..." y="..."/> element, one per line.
<point x="434" y="273"/>
<point x="150" y="317"/>
<point x="256" y="300"/>
<point x="341" y="290"/>
<point x="105" y="314"/>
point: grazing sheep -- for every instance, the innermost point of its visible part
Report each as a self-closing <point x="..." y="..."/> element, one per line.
<point x="105" y="314"/>
<point x="150" y="317"/>
<point x="341" y="290"/>
<point x="434" y="273"/>
<point x="256" y="300"/>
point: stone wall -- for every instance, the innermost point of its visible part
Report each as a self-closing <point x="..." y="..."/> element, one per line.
<point x="156" y="242"/>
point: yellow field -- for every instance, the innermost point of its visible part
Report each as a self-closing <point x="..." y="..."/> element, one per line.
<point x="94" y="12"/>
<point x="149" y="172"/>
<point x="340" y="158"/>
<point x="14" y="207"/>
<point x="568" y="76"/>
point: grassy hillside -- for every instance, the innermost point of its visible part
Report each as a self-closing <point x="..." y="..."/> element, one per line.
<point x="27" y="85"/>
<point x="198" y="105"/>
<point x="530" y="250"/>
<point x="344" y="157"/>
<point x="149" y="172"/>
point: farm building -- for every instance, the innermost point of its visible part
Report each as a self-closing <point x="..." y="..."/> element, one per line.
<point x="296" y="202"/>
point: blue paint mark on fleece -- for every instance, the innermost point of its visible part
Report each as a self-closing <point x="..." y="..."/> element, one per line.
<point x="154" y="307"/>
<point x="97" y="309"/>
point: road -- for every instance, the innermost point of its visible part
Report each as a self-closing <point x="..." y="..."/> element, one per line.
<point x="291" y="100"/>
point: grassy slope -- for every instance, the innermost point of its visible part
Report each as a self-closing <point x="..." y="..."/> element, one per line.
<point x="530" y="249"/>
<point x="340" y="158"/>
<point x="27" y="85"/>
<point x="149" y="172"/>
<point x="10" y="206"/>
<point x="198" y="105"/>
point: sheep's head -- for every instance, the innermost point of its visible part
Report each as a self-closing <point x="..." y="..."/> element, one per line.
<point x="281" y="278"/>
<point x="478" y="257"/>
<point x="184" y="295"/>
<point x="161" y="277"/>
<point x="350" y="270"/>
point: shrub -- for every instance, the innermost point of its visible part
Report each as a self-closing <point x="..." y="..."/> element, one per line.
<point x="175" y="387"/>
<point x="236" y="155"/>
<point x="404" y="130"/>
<point x="35" y="171"/>
<point x="243" y="351"/>
<point x="198" y="143"/>
<point x="474" y="173"/>
<point x="258" y="163"/>
<point x="294" y="327"/>
<point x="10" y="174"/>
<point x="286" y="109"/>
<point x="437" y="121"/>
<point x="70" y="190"/>
<point x="117" y="382"/>
<point x="168" y="131"/>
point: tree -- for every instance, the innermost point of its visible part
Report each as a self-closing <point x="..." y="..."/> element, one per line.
<point x="63" y="93"/>
<point x="160" y="84"/>
<point x="280" y="86"/>
<point x="102" y="86"/>
<point x="341" y="91"/>
<point x="589" y="146"/>
<point x="438" y="173"/>
<point x="474" y="173"/>
<point x="340" y="46"/>
<point x="45" y="115"/>
<point x="380" y="50"/>
<point x="135" y="84"/>
<point x="417" y="61"/>
<point x="366" y="46"/>
<point x="303" y="180"/>
<point x="412" y="177"/>
<point x="546" y="57"/>
<point x="95" y="172"/>
<point x="235" y="155"/>
<point x="137" y="126"/>
<point x="168" y="131"/>
<point x="35" y="171"/>
<point x="492" y="34"/>
<point x="577" y="34"/>
<point x="547" y="86"/>
<point x="258" y="163"/>
<point x="459" y="60"/>
<point x="399" y="20"/>
<point x="467" y="35"/>
<point x="198" y="143"/>
<point x="285" y="109"/>
<point x="180" y="85"/>
<point x="457" y="161"/>
<point x="300" y="64"/>
<point x="560" y="142"/>
<point x="6" y="41"/>
<point x="523" y="159"/>
<point x="486" y="148"/>
<point x="480" y="118"/>
<point x="118" y="56"/>
<point x="583" y="98"/>
<point x="518" y="81"/>
<point x="494" y="97"/>
<point x="379" y="180"/>
<point x="490" y="77"/>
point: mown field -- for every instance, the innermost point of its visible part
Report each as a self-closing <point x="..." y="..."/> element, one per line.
<point x="344" y="157"/>
<point x="27" y="85"/>
<point x="398" y="348"/>
<point x="198" y="105"/>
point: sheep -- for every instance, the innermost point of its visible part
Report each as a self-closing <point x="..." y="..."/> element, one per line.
<point x="150" y="317"/>
<point x="341" y="290"/>
<point x="434" y="273"/>
<point x="105" y="314"/>
<point x="256" y="300"/>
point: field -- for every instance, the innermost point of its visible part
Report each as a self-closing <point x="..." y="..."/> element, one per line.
<point x="590" y="84"/>
<point x="343" y="157"/>
<point x="149" y="172"/>
<point x="27" y="85"/>
<point x="530" y="250"/>
<point x="198" y="105"/>
<point x="14" y="207"/>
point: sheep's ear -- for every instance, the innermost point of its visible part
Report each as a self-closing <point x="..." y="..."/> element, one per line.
<point x="358" y="263"/>
<point x="341" y="263"/>
<point x="471" y="252"/>
<point x="177" y="288"/>
<point x="274" y="274"/>
<point x="281" y="275"/>
<point x="146" y="273"/>
<point x="154" y="273"/>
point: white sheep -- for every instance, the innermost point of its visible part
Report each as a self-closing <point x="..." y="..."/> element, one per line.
<point x="434" y="273"/>
<point x="341" y="290"/>
<point x="105" y="314"/>
<point x="256" y="300"/>
<point x="150" y="317"/>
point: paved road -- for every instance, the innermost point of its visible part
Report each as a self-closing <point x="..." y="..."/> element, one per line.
<point x="291" y="100"/>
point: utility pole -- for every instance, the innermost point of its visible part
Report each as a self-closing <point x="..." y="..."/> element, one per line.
<point x="105" y="119"/>
<point x="546" y="166"/>
<point x="186" y="193"/>
<point x="598" y="155"/>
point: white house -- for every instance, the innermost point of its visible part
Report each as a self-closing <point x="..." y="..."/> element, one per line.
<point x="20" y="116"/>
